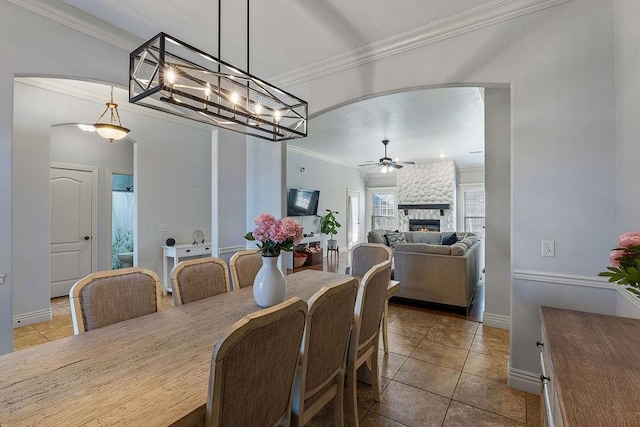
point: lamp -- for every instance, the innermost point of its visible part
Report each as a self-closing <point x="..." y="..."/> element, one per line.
<point x="169" y="75"/>
<point x="111" y="130"/>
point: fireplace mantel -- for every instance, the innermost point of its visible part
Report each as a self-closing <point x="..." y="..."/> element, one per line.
<point x="440" y="207"/>
<point x="425" y="206"/>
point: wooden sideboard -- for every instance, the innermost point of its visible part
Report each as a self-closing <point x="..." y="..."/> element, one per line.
<point x="590" y="369"/>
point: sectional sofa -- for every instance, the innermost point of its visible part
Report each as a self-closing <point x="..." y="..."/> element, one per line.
<point x="433" y="272"/>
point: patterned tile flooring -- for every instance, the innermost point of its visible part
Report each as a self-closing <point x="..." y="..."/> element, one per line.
<point x="441" y="370"/>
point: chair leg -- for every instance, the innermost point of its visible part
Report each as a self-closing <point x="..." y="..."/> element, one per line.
<point x="374" y="371"/>
<point x="338" y="402"/>
<point x="352" y="400"/>
<point x="385" y="334"/>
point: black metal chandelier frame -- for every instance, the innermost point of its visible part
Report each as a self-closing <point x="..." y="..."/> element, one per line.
<point x="169" y="75"/>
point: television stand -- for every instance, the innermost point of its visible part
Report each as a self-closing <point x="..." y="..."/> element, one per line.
<point x="316" y="239"/>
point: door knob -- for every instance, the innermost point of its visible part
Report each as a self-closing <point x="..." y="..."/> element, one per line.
<point x="86" y="237"/>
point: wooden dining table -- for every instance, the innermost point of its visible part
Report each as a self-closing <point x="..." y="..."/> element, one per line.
<point x="152" y="370"/>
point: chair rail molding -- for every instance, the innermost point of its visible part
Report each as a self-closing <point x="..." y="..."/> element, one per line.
<point x="231" y="249"/>
<point x="563" y="279"/>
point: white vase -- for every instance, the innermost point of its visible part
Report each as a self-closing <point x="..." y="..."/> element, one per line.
<point x="269" y="286"/>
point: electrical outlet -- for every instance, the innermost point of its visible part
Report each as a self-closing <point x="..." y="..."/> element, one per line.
<point x="162" y="227"/>
<point x="548" y="248"/>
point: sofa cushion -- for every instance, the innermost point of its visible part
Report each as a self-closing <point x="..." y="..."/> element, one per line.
<point x="395" y="237"/>
<point x="377" y="236"/>
<point x="458" y="249"/>
<point x="449" y="240"/>
<point x="430" y="237"/>
<point x="423" y="248"/>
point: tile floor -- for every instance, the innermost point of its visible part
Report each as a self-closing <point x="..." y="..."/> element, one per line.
<point x="442" y="370"/>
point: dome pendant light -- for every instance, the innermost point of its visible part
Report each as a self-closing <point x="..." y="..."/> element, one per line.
<point x="113" y="130"/>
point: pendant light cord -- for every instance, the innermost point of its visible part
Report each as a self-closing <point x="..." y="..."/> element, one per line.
<point x="220" y="33"/>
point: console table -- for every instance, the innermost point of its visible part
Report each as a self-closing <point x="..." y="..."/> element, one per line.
<point x="307" y="241"/>
<point x="589" y="365"/>
<point x="179" y="252"/>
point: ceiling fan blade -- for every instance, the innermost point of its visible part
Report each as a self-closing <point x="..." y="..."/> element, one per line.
<point x="406" y="163"/>
<point x="397" y="166"/>
<point x="369" y="164"/>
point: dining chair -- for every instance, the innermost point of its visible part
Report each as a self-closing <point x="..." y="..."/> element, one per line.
<point x="363" y="343"/>
<point x="363" y="257"/>
<point x="253" y="368"/>
<point x="196" y="279"/>
<point x="321" y="372"/>
<point x="244" y="266"/>
<point x="106" y="297"/>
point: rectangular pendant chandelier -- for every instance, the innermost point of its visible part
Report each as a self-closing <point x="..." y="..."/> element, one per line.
<point x="171" y="76"/>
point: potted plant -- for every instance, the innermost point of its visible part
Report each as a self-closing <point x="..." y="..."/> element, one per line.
<point x="329" y="225"/>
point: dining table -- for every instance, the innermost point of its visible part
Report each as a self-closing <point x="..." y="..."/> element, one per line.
<point x="152" y="370"/>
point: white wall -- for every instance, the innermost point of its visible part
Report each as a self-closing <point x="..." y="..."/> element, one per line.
<point x="37" y="46"/>
<point x="627" y="33"/>
<point x="332" y="180"/>
<point x="559" y="65"/>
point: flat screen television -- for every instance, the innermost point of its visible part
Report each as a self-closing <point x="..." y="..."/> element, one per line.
<point x="302" y="202"/>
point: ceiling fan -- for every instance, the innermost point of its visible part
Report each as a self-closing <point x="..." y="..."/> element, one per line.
<point x="387" y="163"/>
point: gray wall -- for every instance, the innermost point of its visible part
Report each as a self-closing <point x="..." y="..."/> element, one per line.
<point x="333" y="181"/>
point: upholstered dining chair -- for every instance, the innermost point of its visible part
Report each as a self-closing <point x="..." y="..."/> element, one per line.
<point x="106" y="297"/>
<point x="253" y="368"/>
<point x="244" y="266"/>
<point x="363" y="344"/>
<point x="363" y="257"/>
<point x="196" y="279"/>
<point x="321" y="373"/>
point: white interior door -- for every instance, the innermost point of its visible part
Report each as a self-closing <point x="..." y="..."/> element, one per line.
<point x="71" y="228"/>
<point x="353" y="218"/>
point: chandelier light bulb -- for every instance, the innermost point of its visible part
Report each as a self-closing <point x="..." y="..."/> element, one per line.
<point x="234" y="98"/>
<point x="258" y="108"/>
<point x="207" y="90"/>
<point x="171" y="76"/>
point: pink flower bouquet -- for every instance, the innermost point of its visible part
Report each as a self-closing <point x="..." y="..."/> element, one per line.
<point x="625" y="262"/>
<point x="275" y="235"/>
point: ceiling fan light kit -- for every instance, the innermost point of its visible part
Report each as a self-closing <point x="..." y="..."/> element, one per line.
<point x="169" y="75"/>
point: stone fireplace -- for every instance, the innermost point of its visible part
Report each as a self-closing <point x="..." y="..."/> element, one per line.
<point x="427" y="191"/>
<point x="424" y="225"/>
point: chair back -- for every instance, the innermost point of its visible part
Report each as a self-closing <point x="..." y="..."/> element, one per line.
<point x="106" y="297"/>
<point x="324" y="349"/>
<point x="244" y="267"/>
<point x="366" y="255"/>
<point x="253" y="367"/>
<point x="200" y="278"/>
<point x="370" y="301"/>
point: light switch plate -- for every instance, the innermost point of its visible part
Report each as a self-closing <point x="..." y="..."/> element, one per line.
<point x="1" y="279"/>
<point x="162" y="227"/>
<point x="548" y="248"/>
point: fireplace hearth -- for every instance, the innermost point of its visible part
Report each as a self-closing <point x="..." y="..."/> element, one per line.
<point x="424" y="225"/>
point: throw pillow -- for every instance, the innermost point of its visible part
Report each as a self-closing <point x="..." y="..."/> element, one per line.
<point x="450" y="239"/>
<point x="395" y="237"/>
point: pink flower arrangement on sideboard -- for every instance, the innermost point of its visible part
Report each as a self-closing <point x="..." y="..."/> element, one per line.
<point x="275" y="235"/>
<point x="625" y="262"/>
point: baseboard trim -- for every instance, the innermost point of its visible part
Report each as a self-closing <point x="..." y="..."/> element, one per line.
<point x="632" y="298"/>
<point x="497" y="320"/>
<point x="32" y="317"/>
<point x="523" y="380"/>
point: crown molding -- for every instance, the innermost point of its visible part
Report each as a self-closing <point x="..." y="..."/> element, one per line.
<point x="473" y="19"/>
<point x="81" y="21"/>
<point x="318" y="156"/>
<point x="59" y="86"/>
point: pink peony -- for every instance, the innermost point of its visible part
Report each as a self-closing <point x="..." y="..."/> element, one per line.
<point x="631" y="238"/>
<point x="276" y="234"/>
<point x="615" y="256"/>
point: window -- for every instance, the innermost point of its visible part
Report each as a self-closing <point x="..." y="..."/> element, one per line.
<point x="473" y="210"/>
<point x="383" y="210"/>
